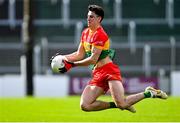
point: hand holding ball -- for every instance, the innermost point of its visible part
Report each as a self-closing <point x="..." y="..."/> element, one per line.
<point x="59" y="64"/>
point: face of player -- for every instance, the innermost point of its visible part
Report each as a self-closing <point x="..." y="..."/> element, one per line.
<point x="93" y="20"/>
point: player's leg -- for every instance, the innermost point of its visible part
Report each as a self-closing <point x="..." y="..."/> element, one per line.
<point x="149" y="92"/>
<point x="88" y="99"/>
<point x="117" y="93"/>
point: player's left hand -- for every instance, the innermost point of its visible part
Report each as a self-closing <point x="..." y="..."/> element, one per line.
<point x="67" y="66"/>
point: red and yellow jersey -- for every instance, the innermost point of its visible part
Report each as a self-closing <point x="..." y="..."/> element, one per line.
<point x="98" y="39"/>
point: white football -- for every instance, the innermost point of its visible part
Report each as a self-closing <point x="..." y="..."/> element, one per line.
<point x="57" y="63"/>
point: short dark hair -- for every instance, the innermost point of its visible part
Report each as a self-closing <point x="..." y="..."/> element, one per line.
<point x="98" y="10"/>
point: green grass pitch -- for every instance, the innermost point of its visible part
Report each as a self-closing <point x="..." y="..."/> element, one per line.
<point x="67" y="110"/>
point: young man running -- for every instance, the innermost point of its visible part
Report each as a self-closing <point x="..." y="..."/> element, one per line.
<point x="105" y="74"/>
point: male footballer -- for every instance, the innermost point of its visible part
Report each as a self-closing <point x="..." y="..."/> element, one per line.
<point x="94" y="49"/>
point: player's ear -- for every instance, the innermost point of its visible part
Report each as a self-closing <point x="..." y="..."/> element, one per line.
<point x="99" y="19"/>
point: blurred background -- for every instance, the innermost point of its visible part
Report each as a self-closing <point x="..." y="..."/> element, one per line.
<point x="145" y="35"/>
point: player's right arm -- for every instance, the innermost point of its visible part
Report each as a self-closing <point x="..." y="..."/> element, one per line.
<point x="76" y="56"/>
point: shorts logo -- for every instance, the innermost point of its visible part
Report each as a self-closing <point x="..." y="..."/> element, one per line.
<point x="97" y="75"/>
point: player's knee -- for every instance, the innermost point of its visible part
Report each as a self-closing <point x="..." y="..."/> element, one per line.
<point x="85" y="107"/>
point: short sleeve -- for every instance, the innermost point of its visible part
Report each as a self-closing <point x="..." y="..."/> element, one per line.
<point x="99" y="40"/>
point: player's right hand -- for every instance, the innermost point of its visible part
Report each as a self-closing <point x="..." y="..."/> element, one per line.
<point x="67" y="66"/>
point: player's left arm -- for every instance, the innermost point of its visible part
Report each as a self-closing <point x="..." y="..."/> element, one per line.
<point x="97" y="46"/>
<point x="85" y="62"/>
<point x="90" y="60"/>
<point x="76" y="56"/>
